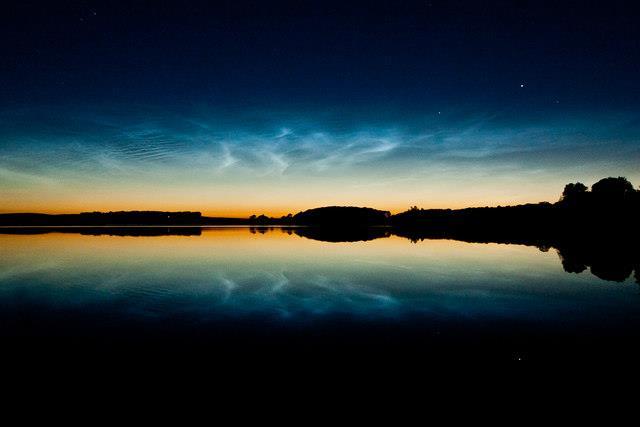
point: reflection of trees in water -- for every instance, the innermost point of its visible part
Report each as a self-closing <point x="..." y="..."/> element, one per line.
<point x="613" y="261"/>
<point x="594" y="229"/>
<point x="607" y="259"/>
<point x="335" y="234"/>
<point x="611" y="258"/>
<point x="261" y="229"/>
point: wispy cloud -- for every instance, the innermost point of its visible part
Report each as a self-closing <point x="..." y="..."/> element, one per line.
<point x="42" y="148"/>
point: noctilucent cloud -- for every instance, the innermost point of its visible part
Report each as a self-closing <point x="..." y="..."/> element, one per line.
<point x="236" y="108"/>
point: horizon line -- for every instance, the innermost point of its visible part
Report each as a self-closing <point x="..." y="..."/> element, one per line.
<point x="258" y="213"/>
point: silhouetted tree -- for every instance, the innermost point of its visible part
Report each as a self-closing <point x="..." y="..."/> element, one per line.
<point x="262" y="219"/>
<point x="612" y="187"/>
<point x="573" y="191"/>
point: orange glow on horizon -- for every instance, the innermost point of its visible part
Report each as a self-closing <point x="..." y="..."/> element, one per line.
<point x="231" y="212"/>
<point x="272" y="199"/>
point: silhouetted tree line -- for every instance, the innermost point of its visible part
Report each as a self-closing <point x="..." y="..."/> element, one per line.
<point x="128" y="231"/>
<point x="103" y="219"/>
<point x="609" y="193"/>
<point x="334" y="216"/>
<point x="612" y="205"/>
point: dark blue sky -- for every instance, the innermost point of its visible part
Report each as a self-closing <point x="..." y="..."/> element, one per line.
<point x="417" y="54"/>
<point x="500" y="90"/>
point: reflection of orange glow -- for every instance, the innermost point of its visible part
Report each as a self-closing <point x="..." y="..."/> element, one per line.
<point x="233" y="260"/>
<point x="241" y="245"/>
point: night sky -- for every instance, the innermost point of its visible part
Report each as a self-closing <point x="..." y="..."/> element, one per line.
<point x="241" y="107"/>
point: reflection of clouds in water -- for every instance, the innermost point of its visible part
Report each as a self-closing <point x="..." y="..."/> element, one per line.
<point x="25" y="270"/>
<point x="316" y="295"/>
<point x="282" y="294"/>
<point x="383" y="263"/>
<point x="345" y="295"/>
<point x="208" y="285"/>
<point x="228" y="287"/>
<point x="265" y="293"/>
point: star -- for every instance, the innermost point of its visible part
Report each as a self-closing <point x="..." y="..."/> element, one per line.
<point x="521" y="85"/>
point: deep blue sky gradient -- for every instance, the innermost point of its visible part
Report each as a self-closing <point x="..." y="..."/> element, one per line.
<point x="411" y="101"/>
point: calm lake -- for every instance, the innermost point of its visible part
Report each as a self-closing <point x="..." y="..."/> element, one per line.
<point x="231" y="290"/>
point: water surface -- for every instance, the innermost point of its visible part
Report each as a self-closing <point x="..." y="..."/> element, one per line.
<point x="238" y="288"/>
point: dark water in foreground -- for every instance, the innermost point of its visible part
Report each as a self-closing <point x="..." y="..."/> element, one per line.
<point x="234" y="292"/>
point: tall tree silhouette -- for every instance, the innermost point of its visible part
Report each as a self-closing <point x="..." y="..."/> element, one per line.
<point x="612" y="188"/>
<point x="573" y="191"/>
